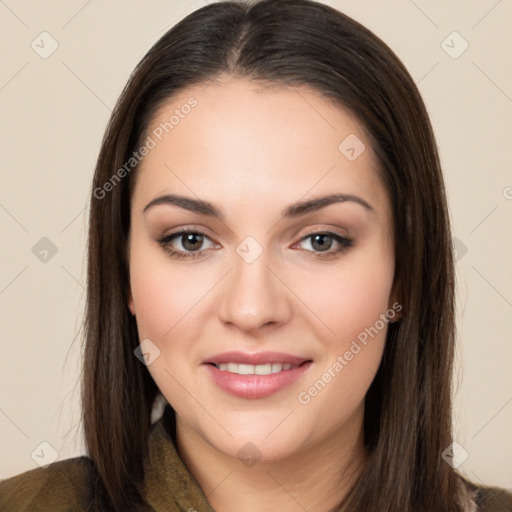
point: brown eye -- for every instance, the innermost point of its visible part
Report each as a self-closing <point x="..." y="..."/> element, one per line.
<point x="184" y="243"/>
<point x="192" y="241"/>
<point x="321" y="243"/>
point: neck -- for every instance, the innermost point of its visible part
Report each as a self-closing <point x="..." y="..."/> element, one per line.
<point x="316" y="478"/>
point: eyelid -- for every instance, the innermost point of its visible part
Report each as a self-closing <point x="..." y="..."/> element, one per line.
<point x="166" y="238"/>
<point x="343" y="242"/>
<point x="325" y="228"/>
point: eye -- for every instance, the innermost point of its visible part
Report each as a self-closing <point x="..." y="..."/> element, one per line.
<point x="322" y="242"/>
<point x="190" y="241"/>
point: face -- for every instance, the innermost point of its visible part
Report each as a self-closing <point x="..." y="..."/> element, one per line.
<point x="252" y="281"/>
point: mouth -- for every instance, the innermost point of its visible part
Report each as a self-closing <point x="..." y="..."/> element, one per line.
<point x="259" y="369"/>
<point x="256" y="375"/>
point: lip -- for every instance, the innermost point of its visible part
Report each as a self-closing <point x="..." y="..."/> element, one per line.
<point x="255" y="386"/>
<point x="256" y="358"/>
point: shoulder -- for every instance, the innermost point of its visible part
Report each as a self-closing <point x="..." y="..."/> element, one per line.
<point x="493" y="499"/>
<point x="62" y="486"/>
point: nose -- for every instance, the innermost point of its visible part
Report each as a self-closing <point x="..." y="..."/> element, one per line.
<point x="254" y="296"/>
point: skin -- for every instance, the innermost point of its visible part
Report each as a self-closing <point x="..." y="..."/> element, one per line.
<point x="252" y="150"/>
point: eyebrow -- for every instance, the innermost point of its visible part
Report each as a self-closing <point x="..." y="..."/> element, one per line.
<point x="293" y="210"/>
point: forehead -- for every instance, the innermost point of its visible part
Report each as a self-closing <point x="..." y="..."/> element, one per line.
<point x="239" y="140"/>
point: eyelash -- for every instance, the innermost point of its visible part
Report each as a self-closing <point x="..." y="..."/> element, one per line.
<point x="165" y="241"/>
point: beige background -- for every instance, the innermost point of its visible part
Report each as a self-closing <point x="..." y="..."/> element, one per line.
<point x="54" y="111"/>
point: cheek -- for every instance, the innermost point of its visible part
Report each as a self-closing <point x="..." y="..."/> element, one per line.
<point x="163" y="295"/>
<point x="164" y="300"/>
<point x="349" y="300"/>
<point x="351" y="306"/>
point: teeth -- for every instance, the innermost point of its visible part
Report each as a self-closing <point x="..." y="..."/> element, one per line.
<point x="276" y="367"/>
<point x="246" y="369"/>
<point x="259" y="369"/>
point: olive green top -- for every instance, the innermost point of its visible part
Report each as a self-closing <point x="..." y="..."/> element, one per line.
<point x="66" y="485"/>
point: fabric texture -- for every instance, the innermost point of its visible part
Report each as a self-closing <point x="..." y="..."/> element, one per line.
<point x="67" y="485"/>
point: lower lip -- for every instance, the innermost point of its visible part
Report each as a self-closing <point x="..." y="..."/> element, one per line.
<point x="255" y="386"/>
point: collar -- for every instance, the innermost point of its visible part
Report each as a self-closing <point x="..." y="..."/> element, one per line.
<point x="170" y="487"/>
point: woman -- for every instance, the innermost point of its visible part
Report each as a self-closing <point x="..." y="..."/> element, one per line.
<point x="270" y="258"/>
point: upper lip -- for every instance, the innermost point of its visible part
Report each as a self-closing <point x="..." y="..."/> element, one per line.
<point x="256" y="358"/>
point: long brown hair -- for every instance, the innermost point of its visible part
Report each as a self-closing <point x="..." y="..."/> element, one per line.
<point x="408" y="406"/>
